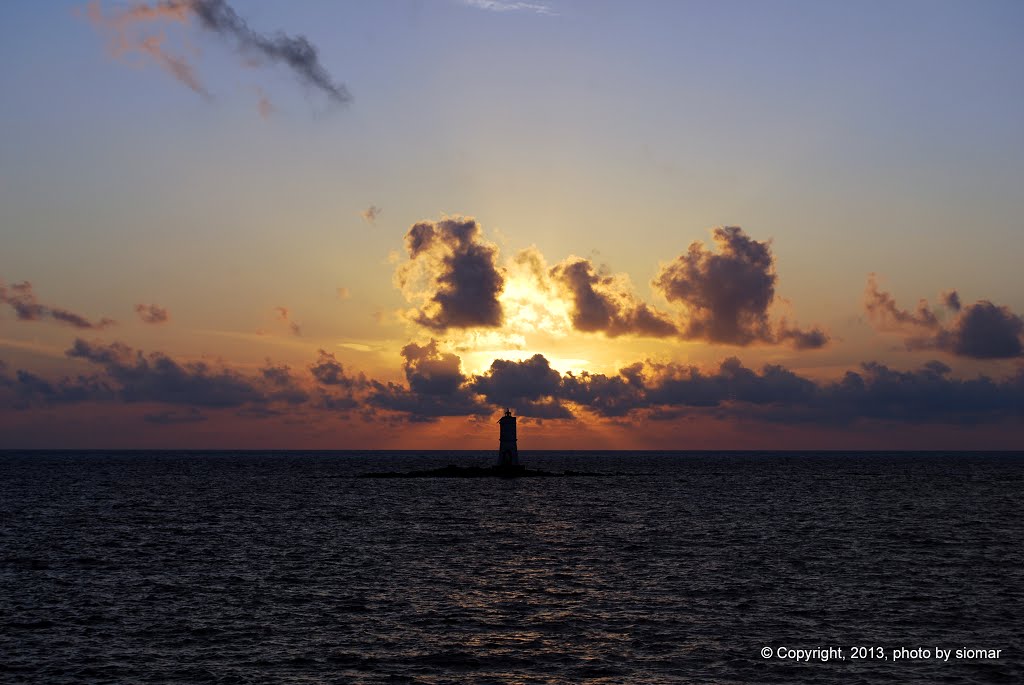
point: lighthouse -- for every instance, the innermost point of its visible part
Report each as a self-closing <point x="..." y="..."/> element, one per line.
<point x="508" y="454"/>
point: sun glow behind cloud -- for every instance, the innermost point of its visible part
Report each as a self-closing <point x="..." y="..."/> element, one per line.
<point x="531" y="307"/>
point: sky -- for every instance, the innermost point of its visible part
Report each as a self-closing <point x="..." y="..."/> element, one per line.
<point x="640" y="225"/>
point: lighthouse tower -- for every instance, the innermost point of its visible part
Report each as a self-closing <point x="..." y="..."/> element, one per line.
<point x="508" y="454"/>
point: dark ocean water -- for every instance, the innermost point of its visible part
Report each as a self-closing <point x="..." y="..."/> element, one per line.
<point x="280" y="567"/>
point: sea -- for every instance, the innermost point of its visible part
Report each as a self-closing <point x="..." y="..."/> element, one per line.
<point x="685" y="567"/>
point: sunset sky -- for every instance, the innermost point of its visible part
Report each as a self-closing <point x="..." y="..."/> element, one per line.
<point x="641" y="225"/>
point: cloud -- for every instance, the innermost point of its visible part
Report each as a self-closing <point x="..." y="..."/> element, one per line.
<point x="130" y="376"/>
<point x="437" y="387"/>
<point x="370" y="214"/>
<point x="509" y="6"/>
<point x="924" y="395"/>
<point x="284" y="315"/>
<point x="21" y="298"/>
<point x="874" y="392"/>
<point x="151" y="313"/>
<point x="726" y="295"/>
<point x="801" y="339"/>
<point x="677" y="385"/>
<point x="294" y="51"/>
<point x="657" y="391"/>
<point x="218" y="17"/>
<point x="453" y="272"/>
<point x="278" y="385"/>
<point x="30" y="389"/>
<point x="885" y="315"/>
<point x="531" y="386"/>
<point x="980" y="331"/>
<point x="124" y="40"/>
<point x="337" y="390"/>
<point x="606" y="303"/>
<point x="277" y="375"/>
<point x="158" y="378"/>
<point x="608" y="396"/>
<point x="431" y="372"/>
<point x="327" y="370"/>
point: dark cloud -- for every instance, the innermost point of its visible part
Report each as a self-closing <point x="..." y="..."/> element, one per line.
<point x="158" y="378"/>
<point x="532" y="387"/>
<point x="951" y="299"/>
<point x="21" y="298"/>
<point x="337" y="391"/>
<point x="458" y="272"/>
<point x="437" y="387"/>
<point x="328" y="371"/>
<point x="151" y="313"/>
<point x="925" y="395"/>
<point x="30" y="389"/>
<point x="981" y="330"/>
<point x="131" y="376"/>
<point x="673" y="385"/>
<point x="665" y="391"/>
<point x="726" y="295"/>
<point x="296" y="52"/>
<point x="604" y="303"/>
<point x="279" y="385"/>
<point x="279" y="376"/>
<point x="811" y="339"/>
<point x="431" y="372"/>
<point x="776" y="394"/>
<point x="874" y="392"/>
<point x="609" y="396"/>
<point x="218" y="17"/>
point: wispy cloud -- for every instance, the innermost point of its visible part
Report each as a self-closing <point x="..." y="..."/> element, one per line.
<point x="510" y="6"/>
<point x="140" y="29"/>
<point x="151" y="313"/>
<point x="284" y="315"/>
<point x="22" y="299"/>
<point x="371" y="213"/>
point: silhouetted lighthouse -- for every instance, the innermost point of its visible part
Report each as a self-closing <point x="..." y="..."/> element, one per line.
<point x="508" y="454"/>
